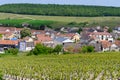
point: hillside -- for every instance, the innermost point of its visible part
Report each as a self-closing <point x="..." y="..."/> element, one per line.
<point x="60" y="10"/>
<point x="57" y="21"/>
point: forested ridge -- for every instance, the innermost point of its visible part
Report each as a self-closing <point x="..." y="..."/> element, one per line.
<point x="60" y="10"/>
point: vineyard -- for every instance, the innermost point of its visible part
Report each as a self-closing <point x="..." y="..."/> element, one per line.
<point x="56" y="21"/>
<point x="91" y="66"/>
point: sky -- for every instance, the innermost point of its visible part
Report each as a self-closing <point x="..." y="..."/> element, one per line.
<point x="74" y="2"/>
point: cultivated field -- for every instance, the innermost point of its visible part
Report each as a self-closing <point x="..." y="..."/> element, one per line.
<point x="91" y="66"/>
<point x="59" y="18"/>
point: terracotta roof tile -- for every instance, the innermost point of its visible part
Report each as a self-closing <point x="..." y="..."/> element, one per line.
<point x="66" y="35"/>
<point x="43" y="38"/>
<point x="8" y="42"/>
<point x="106" y="44"/>
<point x="100" y="33"/>
<point x="117" y="42"/>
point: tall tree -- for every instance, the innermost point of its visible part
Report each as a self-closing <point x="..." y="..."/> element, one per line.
<point x="25" y="32"/>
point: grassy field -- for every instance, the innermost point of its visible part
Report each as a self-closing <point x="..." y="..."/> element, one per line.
<point x="19" y="22"/>
<point x="58" y="18"/>
<point x="91" y="66"/>
<point x="93" y="21"/>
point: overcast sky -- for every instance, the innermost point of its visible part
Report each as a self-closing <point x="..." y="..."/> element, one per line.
<point x="78" y="2"/>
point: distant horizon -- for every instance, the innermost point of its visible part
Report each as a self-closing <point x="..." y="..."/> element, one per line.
<point x="107" y="3"/>
<point x="61" y="4"/>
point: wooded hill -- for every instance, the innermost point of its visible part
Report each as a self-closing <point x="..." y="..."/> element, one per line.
<point x="60" y="10"/>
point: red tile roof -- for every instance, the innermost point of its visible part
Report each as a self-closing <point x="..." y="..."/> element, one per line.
<point x="100" y="33"/>
<point x="36" y="42"/>
<point x="41" y="31"/>
<point x="117" y="42"/>
<point x="65" y="35"/>
<point x="3" y="29"/>
<point x="106" y="44"/>
<point x="43" y="38"/>
<point x="8" y="42"/>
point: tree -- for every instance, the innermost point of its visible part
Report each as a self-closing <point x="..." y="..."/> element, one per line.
<point x="25" y="32"/>
<point x="110" y="30"/>
<point x="80" y="30"/>
<point x="58" y="48"/>
<point x="90" y="49"/>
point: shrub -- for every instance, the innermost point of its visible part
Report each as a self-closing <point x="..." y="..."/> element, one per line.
<point x="13" y="51"/>
<point x="90" y="49"/>
<point x="87" y="49"/>
<point x="58" y="49"/>
<point x="41" y="49"/>
<point x="72" y="23"/>
<point x="84" y="49"/>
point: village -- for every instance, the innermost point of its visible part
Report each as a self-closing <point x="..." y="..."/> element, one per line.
<point x="100" y="38"/>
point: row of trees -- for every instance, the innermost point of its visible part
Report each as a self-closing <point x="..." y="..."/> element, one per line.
<point x="60" y="10"/>
<point x="41" y="49"/>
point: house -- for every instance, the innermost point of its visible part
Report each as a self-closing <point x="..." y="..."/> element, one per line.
<point x="106" y="45"/>
<point x="69" y="29"/>
<point x="97" y="45"/>
<point x="6" y="44"/>
<point x="99" y="36"/>
<point x="110" y="46"/>
<point x="76" y="37"/>
<point x="114" y="47"/>
<point x="117" y="42"/>
<point x="10" y="29"/>
<point x="65" y="35"/>
<point x="26" y="44"/>
<point x="10" y="32"/>
<point x="84" y="39"/>
<point x="116" y="29"/>
<point x="62" y="41"/>
<point x="35" y="32"/>
<point x="45" y="39"/>
<point x="72" y="47"/>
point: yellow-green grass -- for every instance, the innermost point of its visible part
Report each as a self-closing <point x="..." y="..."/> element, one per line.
<point x="56" y="67"/>
<point x="59" y="18"/>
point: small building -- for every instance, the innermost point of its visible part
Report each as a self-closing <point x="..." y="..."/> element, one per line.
<point x="99" y="36"/>
<point x="26" y="46"/>
<point x="6" y="44"/>
<point x="62" y="40"/>
<point x="106" y="45"/>
<point x="45" y="39"/>
<point x="114" y="47"/>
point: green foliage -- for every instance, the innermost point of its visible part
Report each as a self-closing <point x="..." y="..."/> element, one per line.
<point x="33" y="24"/>
<point x="41" y="49"/>
<point x="72" y="23"/>
<point x="1" y="35"/>
<point x="60" y="10"/>
<point x="118" y="38"/>
<point x="80" y="30"/>
<point x="13" y="51"/>
<point x="58" y="49"/>
<point x="35" y="21"/>
<point x="25" y="32"/>
<point x="12" y="22"/>
<point x="87" y="49"/>
<point x="110" y="30"/>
